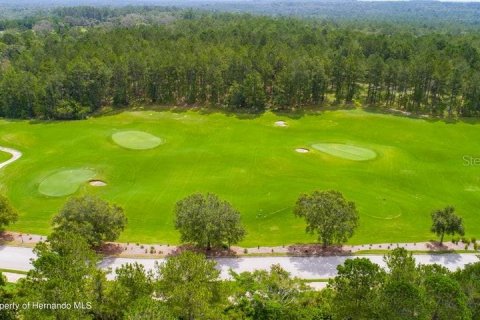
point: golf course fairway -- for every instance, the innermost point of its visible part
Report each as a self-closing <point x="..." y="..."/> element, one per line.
<point x="397" y="170"/>
<point x="4" y="156"/>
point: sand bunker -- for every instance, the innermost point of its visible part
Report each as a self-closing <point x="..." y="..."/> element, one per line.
<point x="97" y="183"/>
<point x="346" y="151"/>
<point x="302" y="150"/>
<point x="281" y="124"/>
<point x="65" y="182"/>
<point x="136" y="140"/>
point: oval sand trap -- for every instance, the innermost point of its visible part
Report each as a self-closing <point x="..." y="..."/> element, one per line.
<point x="345" y="151"/>
<point x="97" y="183"/>
<point x="65" y="182"/>
<point x="136" y="140"/>
<point x="280" y="123"/>
<point x="302" y="150"/>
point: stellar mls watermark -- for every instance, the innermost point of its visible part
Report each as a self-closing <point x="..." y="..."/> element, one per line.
<point x="471" y="161"/>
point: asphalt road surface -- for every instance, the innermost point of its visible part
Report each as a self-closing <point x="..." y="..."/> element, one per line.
<point x="17" y="258"/>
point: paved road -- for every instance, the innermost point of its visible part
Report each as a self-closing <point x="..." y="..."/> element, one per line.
<point x="14" y="277"/>
<point x="16" y="258"/>
<point x="304" y="267"/>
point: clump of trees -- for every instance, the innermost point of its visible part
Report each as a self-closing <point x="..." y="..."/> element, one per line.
<point x="329" y="215"/>
<point x="92" y="218"/>
<point x="362" y="290"/>
<point x="191" y="287"/>
<point x="274" y="294"/>
<point x="207" y="221"/>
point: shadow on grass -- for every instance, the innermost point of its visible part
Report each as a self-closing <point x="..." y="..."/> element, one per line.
<point x="425" y="117"/>
<point x="291" y="113"/>
<point x="212" y="253"/>
<point x="239" y="114"/>
<point x="436" y="246"/>
<point x="110" y="249"/>
<point x="5" y="238"/>
<point x="307" y="250"/>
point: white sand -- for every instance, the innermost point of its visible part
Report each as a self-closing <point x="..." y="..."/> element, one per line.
<point x="302" y="150"/>
<point x="97" y="183"/>
<point x="281" y="124"/>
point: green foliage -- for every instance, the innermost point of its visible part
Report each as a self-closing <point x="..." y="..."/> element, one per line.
<point x="445" y="298"/>
<point x="69" y="110"/>
<point x="190" y="286"/>
<point x="62" y="272"/>
<point x="6" y="297"/>
<point x="401" y="265"/>
<point x="19" y="94"/>
<point x="445" y="221"/>
<point x="92" y="218"/>
<point x="208" y="221"/>
<point x="402" y="296"/>
<point x="87" y="81"/>
<point x="272" y="295"/>
<point x="248" y="63"/>
<point x="8" y="214"/>
<point x="402" y="300"/>
<point x="130" y="293"/>
<point x="469" y="280"/>
<point x="357" y="288"/>
<point x="148" y="309"/>
<point x="328" y="214"/>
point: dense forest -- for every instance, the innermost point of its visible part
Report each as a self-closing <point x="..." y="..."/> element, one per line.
<point x="419" y="12"/>
<point x="66" y="67"/>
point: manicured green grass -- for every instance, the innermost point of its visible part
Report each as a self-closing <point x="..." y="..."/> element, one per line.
<point x="13" y="271"/>
<point x="345" y="151"/>
<point x="137" y="140"/>
<point x="4" y="156"/>
<point x="253" y="164"/>
<point x="65" y="182"/>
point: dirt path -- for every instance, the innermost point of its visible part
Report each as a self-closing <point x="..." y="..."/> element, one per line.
<point x="15" y="156"/>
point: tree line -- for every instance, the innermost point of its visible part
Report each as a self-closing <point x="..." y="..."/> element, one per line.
<point x="236" y="62"/>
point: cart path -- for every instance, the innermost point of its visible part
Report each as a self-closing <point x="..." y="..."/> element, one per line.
<point x="15" y="156"/>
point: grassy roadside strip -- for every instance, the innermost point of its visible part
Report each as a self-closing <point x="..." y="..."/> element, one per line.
<point x="314" y="280"/>
<point x="13" y="271"/>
